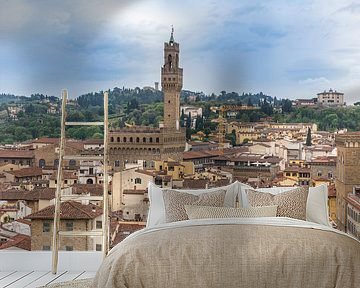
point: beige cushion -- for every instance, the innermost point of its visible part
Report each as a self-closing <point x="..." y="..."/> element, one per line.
<point x="290" y="204"/>
<point x="201" y="212"/>
<point x="175" y="201"/>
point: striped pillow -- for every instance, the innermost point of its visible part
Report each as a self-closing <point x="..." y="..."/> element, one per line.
<point x="175" y="201"/>
<point x="201" y="212"/>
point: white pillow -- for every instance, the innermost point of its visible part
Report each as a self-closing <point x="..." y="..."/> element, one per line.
<point x="316" y="206"/>
<point x="156" y="213"/>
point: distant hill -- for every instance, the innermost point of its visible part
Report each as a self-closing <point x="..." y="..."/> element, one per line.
<point x="7" y="98"/>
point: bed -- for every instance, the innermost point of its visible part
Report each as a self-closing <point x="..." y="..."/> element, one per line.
<point x="233" y="252"/>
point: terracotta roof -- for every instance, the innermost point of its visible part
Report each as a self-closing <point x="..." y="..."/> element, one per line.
<point x="36" y="194"/>
<point x="23" y="221"/>
<point x="66" y="175"/>
<point x="94" y="141"/>
<point x="199" y="154"/>
<point x="46" y="140"/>
<point x="321" y="160"/>
<point x="93" y="189"/>
<point x="353" y="200"/>
<point x="16" y="154"/>
<point x="125" y="229"/>
<point x="195" y="183"/>
<point x="26" y="172"/>
<point x="134" y="191"/>
<point x="173" y="164"/>
<point x="20" y="241"/>
<point x="68" y="210"/>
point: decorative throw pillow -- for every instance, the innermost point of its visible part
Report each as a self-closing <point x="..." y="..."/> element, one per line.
<point x="175" y="201"/>
<point x="201" y="212"/>
<point x="290" y="204"/>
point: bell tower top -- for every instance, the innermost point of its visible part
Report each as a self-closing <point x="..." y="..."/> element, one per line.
<point x="171" y="41"/>
<point x="171" y="82"/>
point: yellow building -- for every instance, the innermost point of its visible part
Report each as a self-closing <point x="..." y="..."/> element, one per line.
<point x="175" y="169"/>
<point x="332" y="202"/>
<point x="246" y="136"/>
<point x="301" y="175"/>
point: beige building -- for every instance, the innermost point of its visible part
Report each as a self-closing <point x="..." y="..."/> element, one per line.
<point x="331" y="98"/>
<point x="347" y="171"/>
<point x="74" y="217"/>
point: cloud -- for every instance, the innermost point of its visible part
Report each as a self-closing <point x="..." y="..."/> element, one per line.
<point x="288" y="49"/>
<point x="314" y="81"/>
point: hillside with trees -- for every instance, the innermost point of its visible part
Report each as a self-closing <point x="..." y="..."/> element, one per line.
<point x="144" y="107"/>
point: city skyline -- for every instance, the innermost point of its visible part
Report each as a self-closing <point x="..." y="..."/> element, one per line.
<point x="286" y="50"/>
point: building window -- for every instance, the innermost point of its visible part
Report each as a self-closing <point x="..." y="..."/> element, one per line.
<point x="137" y="180"/>
<point x="124" y="139"/>
<point x="98" y="224"/>
<point x="69" y="248"/>
<point x="118" y="139"/>
<point x="46" y="248"/>
<point x="157" y="139"/>
<point x="46" y="226"/>
<point x="112" y="139"/>
<point x="42" y="163"/>
<point x="66" y="181"/>
<point x="69" y="226"/>
<point x="151" y="139"/>
<point x="117" y="163"/>
<point x="72" y="162"/>
<point x="131" y="139"/>
<point x="13" y="161"/>
<point x="98" y="247"/>
<point x="144" y="140"/>
<point x="319" y="174"/>
<point x="137" y="139"/>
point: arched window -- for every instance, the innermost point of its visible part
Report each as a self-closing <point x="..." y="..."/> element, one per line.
<point x="150" y="139"/>
<point x="157" y="140"/>
<point x="89" y="181"/>
<point x="112" y="139"/>
<point x="124" y="139"/>
<point x="118" y="139"/>
<point x="42" y="163"/>
<point x="137" y="139"/>
<point x="177" y="61"/>
<point x="131" y="139"/>
<point x="144" y="139"/>
<point x="170" y="61"/>
<point x="72" y="162"/>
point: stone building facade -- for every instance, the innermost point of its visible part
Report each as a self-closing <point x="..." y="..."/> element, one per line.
<point x="331" y="98"/>
<point x="74" y="217"/>
<point x="147" y="143"/>
<point x="347" y="171"/>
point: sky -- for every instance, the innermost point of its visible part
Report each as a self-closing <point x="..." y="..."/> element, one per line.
<point x="289" y="49"/>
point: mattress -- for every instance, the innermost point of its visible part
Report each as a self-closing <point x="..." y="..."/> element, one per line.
<point x="235" y="252"/>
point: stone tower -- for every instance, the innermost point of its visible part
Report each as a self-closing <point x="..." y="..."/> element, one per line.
<point x="347" y="172"/>
<point x="171" y="82"/>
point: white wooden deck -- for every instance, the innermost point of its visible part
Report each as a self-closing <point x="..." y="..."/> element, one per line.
<point x="32" y="279"/>
<point x="33" y="269"/>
